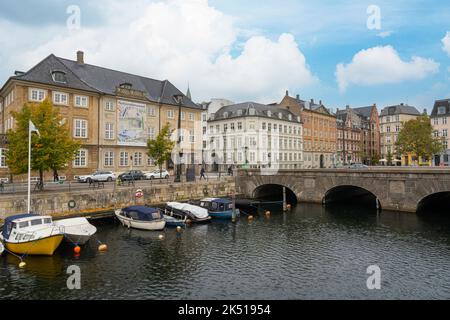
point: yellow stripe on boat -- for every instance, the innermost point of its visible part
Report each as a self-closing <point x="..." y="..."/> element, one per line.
<point x="41" y="247"/>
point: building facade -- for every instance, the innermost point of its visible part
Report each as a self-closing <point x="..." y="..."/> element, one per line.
<point x="358" y="135"/>
<point x="319" y="131"/>
<point x="111" y="113"/>
<point x="252" y="135"/>
<point x="440" y="120"/>
<point x="392" y="119"/>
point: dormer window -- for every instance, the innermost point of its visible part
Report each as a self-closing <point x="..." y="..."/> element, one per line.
<point x="269" y="113"/>
<point x="280" y="115"/>
<point x="126" y="85"/>
<point x="225" y="114"/>
<point x="442" y="110"/>
<point x="59" y="76"/>
<point x="252" y="111"/>
<point x="290" y="117"/>
<point x="239" y="112"/>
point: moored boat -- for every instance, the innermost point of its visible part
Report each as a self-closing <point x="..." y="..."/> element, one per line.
<point x="31" y="234"/>
<point x="142" y="218"/>
<point x="219" y="208"/>
<point x="172" y="222"/>
<point x="2" y="248"/>
<point x="76" y="230"/>
<point x="185" y="211"/>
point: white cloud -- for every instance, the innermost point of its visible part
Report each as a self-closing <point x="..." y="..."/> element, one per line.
<point x="385" y="34"/>
<point x="186" y="41"/>
<point x="446" y="43"/>
<point x="382" y="65"/>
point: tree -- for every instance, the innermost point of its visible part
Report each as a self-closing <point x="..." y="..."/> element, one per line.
<point x="417" y="138"/>
<point x="389" y="158"/>
<point x="375" y="159"/>
<point x="52" y="150"/>
<point x="160" y="149"/>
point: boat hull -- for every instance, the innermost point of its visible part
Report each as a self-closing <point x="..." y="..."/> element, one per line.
<point x="224" y="214"/>
<point x="76" y="230"/>
<point x="155" y="225"/>
<point x="76" y="238"/>
<point x="40" y="247"/>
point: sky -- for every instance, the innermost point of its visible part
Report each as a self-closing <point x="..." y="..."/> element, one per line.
<point x="344" y="52"/>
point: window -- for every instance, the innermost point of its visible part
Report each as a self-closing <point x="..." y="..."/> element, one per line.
<point x="80" y="128"/>
<point x="126" y="85"/>
<point x="445" y="133"/>
<point x="436" y="121"/>
<point x="183" y="115"/>
<point x="239" y="125"/>
<point x="151" y="133"/>
<point x="109" y="131"/>
<point x="37" y="95"/>
<point x="151" y="111"/>
<point x="3" y="158"/>
<point x="109" y="106"/>
<point x="123" y="159"/>
<point x="81" y="101"/>
<point x="191" y="136"/>
<point x="59" y="76"/>
<point x="109" y="158"/>
<point x="81" y="159"/>
<point x="170" y="114"/>
<point x="444" y="120"/>
<point x="137" y="160"/>
<point x="232" y="126"/>
<point x="150" y="161"/>
<point x="441" y="110"/>
<point x="191" y="116"/>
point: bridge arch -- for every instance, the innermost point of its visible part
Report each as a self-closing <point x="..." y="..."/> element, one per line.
<point x="274" y="192"/>
<point x="438" y="202"/>
<point x="345" y="194"/>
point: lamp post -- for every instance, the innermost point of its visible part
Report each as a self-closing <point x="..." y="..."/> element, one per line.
<point x="179" y="99"/>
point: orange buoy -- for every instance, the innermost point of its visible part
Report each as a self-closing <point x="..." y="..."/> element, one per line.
<point x="102" y="247"/>
<point x="250" y="217"/>
<point x="77" y="249"/>
<point x="188" y="221"/>
<point x="268" y="213"/>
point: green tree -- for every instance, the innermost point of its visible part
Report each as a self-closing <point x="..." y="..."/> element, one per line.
<point x="52" y="150"/>
<point x="417" y="138"/>
<point x="389" y="158"/>
<point x="160" y="149"/>
<point x="375" y="159"/>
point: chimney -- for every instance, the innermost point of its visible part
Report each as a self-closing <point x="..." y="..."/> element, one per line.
<point x="298" y="97"/>
<point x="347" y="107"/>
<point x="402" y="104"/>
<point x="80" y="57"/>
<point x="320" y="102"/>
<point x="287" y="93"/>
<point x="312" y="101"/>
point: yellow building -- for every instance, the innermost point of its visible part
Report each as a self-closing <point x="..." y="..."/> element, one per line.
<point x="111" y="113"/>
<point x="392" y="119"/>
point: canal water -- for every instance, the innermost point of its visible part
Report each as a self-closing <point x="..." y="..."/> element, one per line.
<point x="311" y="252"/>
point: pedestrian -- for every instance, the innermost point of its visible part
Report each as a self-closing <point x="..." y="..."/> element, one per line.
<point x="230" y="171"/>
<point x="55" y="176"/>
<point x="202" y="174"/>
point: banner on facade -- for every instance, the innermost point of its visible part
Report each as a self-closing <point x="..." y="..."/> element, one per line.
<point x="131" y="130"/>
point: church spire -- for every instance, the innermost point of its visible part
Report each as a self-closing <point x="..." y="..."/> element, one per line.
<point x="188" y="93"/>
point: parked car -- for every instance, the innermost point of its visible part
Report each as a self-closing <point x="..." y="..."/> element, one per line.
<point x="157" y="174"/>
<point x="358" y="166"/>
<point x="98" y="176"/>
<point x="132" y="175"/>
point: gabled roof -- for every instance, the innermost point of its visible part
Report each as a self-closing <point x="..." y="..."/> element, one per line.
<point x="438" y="104"/>
<point x="364" y="111"/>
<point x="400" y="109"/>
<point x="102" y="80"/>
<point x="261" y="110"/>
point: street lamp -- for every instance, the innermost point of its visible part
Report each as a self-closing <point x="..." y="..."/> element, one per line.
<point x="179" y="99"/>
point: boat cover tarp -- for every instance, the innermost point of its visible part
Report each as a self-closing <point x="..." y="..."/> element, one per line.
<point x="198" y="212"/>
<point x="143" y="213"/>
<point x="7" y="228"/>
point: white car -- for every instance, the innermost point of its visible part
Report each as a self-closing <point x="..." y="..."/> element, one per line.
<point x="98" y="176"/>
<point x="157" y="174"/>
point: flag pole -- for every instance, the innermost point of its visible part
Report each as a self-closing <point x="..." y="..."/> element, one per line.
<point x="29" y="167"/>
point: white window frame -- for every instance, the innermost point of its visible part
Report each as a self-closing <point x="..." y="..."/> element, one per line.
<point x="151" y="111"/>
<point x="39" y="97"/>
<point x="61" y="94"/>
<point x="109" y="106"/>
<point x="79" y="158"/>
<point x="81" y="104"/>
<point x="109" y="131"/>
<point x="170" y="114"/>
<point x="3" y="158"/>
<point x="137" y="156"/>
<point x="108" y="159"/>
<point x="80" y="128"/>
<point x="151" y="133"/>
<point x="191" y="116"/>
<point x="124" y="158"/>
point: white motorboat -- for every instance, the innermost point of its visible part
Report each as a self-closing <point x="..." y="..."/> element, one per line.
<point x="76" y="230"/>
<point x="142" y="218"/>
<point x="31" y="234"/>
<point x="187" y="211"/>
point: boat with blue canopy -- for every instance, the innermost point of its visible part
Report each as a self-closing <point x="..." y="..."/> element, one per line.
<point x="142" y="218"/>
<point x="219" y="208"/>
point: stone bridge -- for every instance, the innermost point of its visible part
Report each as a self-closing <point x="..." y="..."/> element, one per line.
<point x="396" y="189"/>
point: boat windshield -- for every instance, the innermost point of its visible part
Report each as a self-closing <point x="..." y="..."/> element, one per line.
<point x="47" y="220"/>
<point x="36" y="222"/>
<point x="23" y="224"/>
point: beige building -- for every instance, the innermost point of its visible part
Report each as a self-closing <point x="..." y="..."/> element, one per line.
<point x="440" y="120"/>
<point x="392" y="119"/>
<point x="111" y="113"/>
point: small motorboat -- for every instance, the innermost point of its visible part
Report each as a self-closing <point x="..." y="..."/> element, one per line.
<point x="31" y="234"/>
<point x="172" y="222"/>
<point x="219" y="208"/>
<point x="142" y="218"/>
<point x="76" y="230"/>
<point x="185" y="211"/>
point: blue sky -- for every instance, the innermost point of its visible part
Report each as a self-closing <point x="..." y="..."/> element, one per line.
<point x="248" y="50"/>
